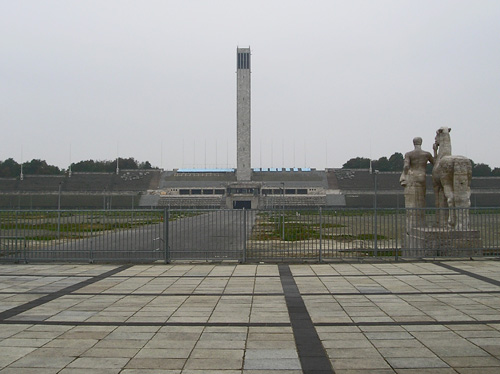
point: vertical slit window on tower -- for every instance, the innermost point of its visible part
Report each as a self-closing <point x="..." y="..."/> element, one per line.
<point x="243" y="60"/>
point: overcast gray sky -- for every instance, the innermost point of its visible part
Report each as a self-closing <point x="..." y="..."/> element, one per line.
<point x="331" y="80"/>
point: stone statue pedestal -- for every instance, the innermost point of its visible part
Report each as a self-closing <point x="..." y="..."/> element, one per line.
<point x="441" y="242"/>
<point x="415" y="203"/>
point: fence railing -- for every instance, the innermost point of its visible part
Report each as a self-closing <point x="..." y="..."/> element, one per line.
<point x="78" y="235"/>
<point x="315" y="234"/>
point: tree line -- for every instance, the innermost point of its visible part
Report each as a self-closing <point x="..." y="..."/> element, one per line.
<point x="12" y="169"/>
<point x="396" y="163"/>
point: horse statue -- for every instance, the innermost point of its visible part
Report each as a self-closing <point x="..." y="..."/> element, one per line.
<point x="451" y="177"/>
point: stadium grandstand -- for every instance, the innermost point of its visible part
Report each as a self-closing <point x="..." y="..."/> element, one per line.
<point x="219" y="188"/>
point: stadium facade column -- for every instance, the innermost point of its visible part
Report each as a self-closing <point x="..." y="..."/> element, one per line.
<point x="243" y="141"/>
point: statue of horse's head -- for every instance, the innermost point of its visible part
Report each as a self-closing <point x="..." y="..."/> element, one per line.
<point x="443" y="133"/>
<point x="443" y="141"/>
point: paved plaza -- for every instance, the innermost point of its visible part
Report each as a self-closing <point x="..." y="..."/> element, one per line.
<point x="345" y="318"/>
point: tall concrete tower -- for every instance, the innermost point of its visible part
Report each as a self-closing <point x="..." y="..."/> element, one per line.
<point x="244" y="156"/>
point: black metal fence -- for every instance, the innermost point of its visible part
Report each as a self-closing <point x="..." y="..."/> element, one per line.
<point x="246" y="235"/>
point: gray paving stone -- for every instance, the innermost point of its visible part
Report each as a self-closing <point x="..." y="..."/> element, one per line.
<point x="10" y="330"/>
<point x="189" y="371"/>
<point x="17" y="351"/>
<point x="469" y="361"/>
<point x="163" y="353"/>
<point x="212" y="336"/>
<point x="455" y="347"/>
<point x="368" y="363"/>
<point x="230" y="354"/>
<point x="493" y="350"/>
<point x="156" y="363"/>
<point x="113" y="343"/>
<point x="365" y="371"/>
<point x="395" y="352"/>
<point x="86" y="371"/>
<point x="12" y="370"/>
<point x="416" y="362"/>
<point x="336" y="353"/>
<point x="221" y="344"/>
<point x="88" y="332"/>
<point x="150" y="371"/>
<point x="270" y="336"/>
<point x="427" y="371"/>
<point x="29" y="342"/>
<point x="482" y="370"/>
<point x="30" y="334"/>
<point x="6" y="360"/>
<point x="214" y="364"/>
<point x="255" y="354"/>
<point x="74" y="351"/>
<point x="346" y="344"/>
<point x="485" y="341"/>
<point x="382" y="335"/>
<point x="99" y="363"/>
<point x="34" y="361"/>
<point x="71" y="343"/>
<point x="111" y="352"/>
<point x="272" y="364"/>
<point x="252" y="371"/>
<point x="167" y="344"/>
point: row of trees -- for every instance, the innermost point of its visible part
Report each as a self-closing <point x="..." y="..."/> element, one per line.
<point x="109" y="166"/>
<point x="396" y="162"/>
<point x="393" y="163"/>
<point x="11" y="169"/>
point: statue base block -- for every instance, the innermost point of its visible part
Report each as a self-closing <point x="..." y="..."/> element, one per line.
<point x="441" y="242"/>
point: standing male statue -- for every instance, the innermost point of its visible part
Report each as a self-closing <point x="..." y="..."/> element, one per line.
<point x="413" y="180"/>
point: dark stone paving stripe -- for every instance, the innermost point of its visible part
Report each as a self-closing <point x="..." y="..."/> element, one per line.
<point x="312" y="355"/>
<point x="470" y="274"/>
<point x="152" y="294"/>
<point x="410" y="323"/>
<point x="399" y="293"/>
<point x="9" y="313"/>
<point x="108" y="323"/>
<point x="263" y="294"/>
<point x="234" y="276"/>
<point x="246" y="324"/>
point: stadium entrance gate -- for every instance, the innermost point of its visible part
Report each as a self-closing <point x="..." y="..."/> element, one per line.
<point x="242" y="204"/>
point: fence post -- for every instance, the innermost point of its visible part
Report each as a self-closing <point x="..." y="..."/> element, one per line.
<point x="320" y="235"/>
<point x="244" y="254"/>
<point x="166" y="215"/>
<point x="24" y="250"/>
<point x="16" y="235"/>
<point x="375" y="229"/>
<point x="91" y="255"/>
<point x="397" y="223"/>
